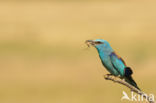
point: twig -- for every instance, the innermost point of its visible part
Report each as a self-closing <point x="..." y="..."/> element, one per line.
<point x="132" y="88"/>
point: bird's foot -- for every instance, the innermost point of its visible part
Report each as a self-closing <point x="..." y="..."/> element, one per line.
<point x="108" y="75"/>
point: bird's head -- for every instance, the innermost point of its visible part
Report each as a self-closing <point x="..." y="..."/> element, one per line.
<point x="100" y="44"/>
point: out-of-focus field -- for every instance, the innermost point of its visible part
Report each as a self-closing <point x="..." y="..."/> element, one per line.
<point x="43" y="58"/>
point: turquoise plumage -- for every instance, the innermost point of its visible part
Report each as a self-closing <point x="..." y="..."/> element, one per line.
<point x="112" y="62"/>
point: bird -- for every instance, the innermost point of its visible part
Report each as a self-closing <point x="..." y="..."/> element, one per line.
<point x="115" y="65"/>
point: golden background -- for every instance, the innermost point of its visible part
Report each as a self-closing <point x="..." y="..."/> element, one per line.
<point x="43" y="58"/>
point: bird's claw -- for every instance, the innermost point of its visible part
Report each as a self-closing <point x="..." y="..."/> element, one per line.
<point x="115" y="78"/>
<point x="107" y="75"/>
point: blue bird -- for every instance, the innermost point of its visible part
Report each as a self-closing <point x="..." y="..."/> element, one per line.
<point x="112" y="62"/>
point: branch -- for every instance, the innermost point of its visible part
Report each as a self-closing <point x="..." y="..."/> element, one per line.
<point x="132" y="88"/>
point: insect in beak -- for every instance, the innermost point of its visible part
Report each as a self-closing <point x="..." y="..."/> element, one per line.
<point x="89" y="42"/>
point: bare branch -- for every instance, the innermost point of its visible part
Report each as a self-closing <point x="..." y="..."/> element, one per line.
<point x="132" y="88"/>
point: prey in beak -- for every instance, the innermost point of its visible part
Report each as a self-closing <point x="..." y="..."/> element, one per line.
<point x="90" y="42"/>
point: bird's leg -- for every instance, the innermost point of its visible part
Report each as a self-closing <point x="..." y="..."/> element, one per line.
<point x="107" y="75"/>
<point x="112" y="76"/>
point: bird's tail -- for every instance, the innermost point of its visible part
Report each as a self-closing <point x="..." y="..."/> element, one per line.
<point x="131" y="81"/>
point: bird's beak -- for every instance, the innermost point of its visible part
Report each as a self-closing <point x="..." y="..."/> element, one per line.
<point x="90" y="42"/>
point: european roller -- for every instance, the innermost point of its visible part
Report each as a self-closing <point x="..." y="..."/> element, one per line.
<point x="112" y="62"/>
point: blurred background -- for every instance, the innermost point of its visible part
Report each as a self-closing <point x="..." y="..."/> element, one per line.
<point x="43" y="57"/>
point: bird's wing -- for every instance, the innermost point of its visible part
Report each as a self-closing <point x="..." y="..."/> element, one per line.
<point x="123" y="70"/>
<point x="118" y="63"/>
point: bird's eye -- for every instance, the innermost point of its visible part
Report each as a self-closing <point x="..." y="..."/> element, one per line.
<point x="98" y="42"/>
